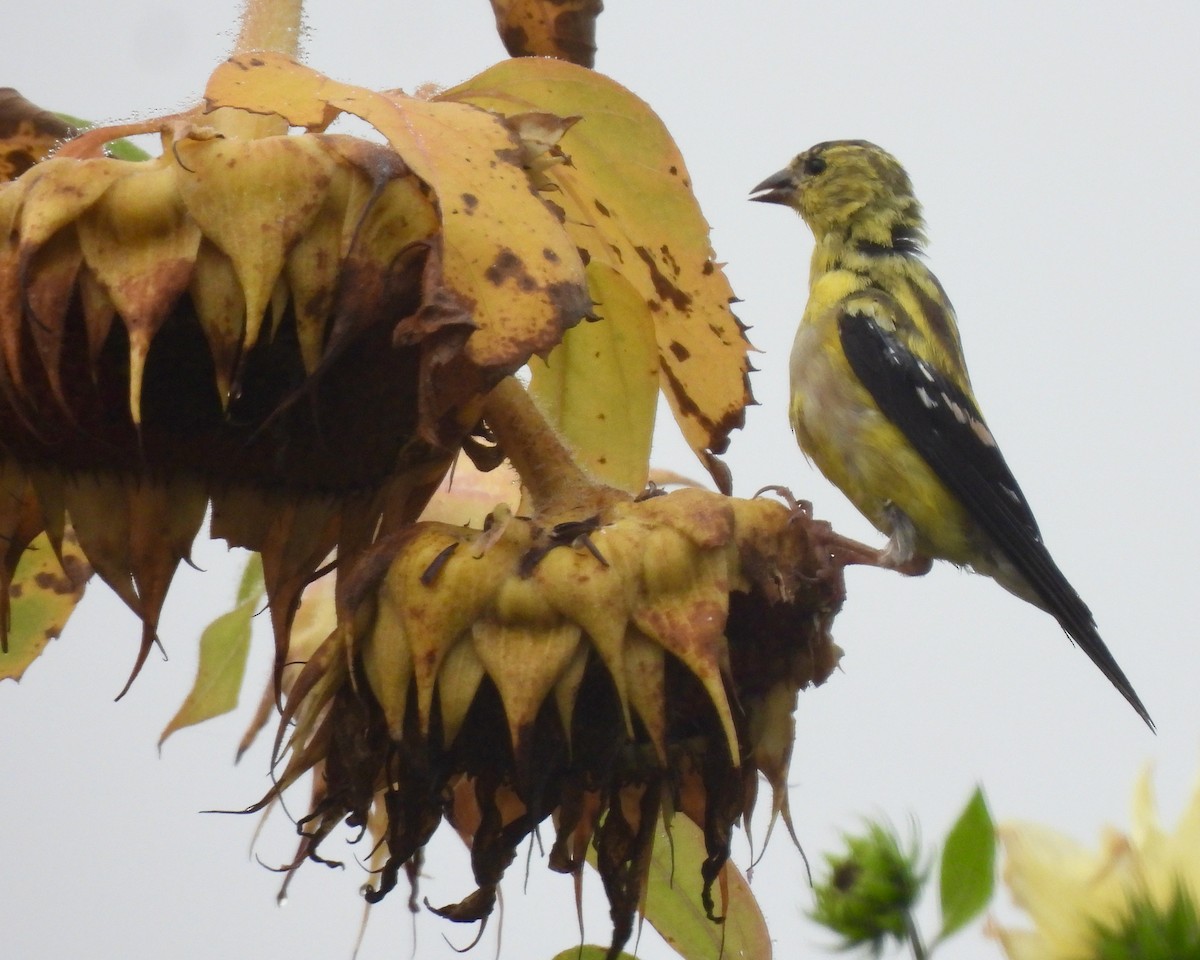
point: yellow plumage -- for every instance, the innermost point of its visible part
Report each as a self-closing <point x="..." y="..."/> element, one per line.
<point x="881" y="400"/>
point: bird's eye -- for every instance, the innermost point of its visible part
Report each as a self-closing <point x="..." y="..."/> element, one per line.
<point x="814" y="165"/>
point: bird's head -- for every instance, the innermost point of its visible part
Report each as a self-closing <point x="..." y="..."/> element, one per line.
<point x="844" y="186"/>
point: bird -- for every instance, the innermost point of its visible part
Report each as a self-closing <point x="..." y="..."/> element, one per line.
<point x="881" y="401"/>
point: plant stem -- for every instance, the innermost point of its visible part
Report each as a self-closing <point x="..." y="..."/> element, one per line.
<point x="556" y="485"/>
<point x="914" y="938"/>
<point x="272" y="25"/>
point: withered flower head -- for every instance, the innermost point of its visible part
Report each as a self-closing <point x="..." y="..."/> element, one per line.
<point x="607" y="670"/>
<point x="290" y="327"/>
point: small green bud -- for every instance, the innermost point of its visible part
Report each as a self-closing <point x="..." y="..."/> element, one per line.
<point x="870" y="890"/>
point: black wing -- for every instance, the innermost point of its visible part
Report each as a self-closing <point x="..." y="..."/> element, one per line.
<point x="944" y="425"/>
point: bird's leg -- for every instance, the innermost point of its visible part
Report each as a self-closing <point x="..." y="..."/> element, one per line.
<point x="901" y="552"/>
<point x="849" y="552"/>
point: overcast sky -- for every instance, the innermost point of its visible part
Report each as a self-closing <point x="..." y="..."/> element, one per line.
<point x="1054" y="146"/>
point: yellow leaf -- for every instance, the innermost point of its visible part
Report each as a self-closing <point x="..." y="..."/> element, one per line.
<point x="44" y="594"/>
<point x="600" y="385"/>
<point x="627" y="201"/>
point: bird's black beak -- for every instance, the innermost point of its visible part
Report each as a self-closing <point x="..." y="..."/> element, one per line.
<point x="777" y="188"/>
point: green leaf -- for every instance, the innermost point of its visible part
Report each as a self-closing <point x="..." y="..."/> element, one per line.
<point x="124" y="150"/>
<point x="968" y="866"/>
<point x="673" y="904"/>
<point x="224" y="647"/>
<point x="590" y="952"/>
<point x="251" y="588"/>
<point x="121" y="149"/>
<point x="599" y="386"/>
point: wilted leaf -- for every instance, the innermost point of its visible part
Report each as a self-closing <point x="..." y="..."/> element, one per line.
<point x="27" y="133"/>
<point x="600" y="385"/>
<point x="627" y="201"/>
<point x="223" y="650"/>
<point x="549" y="28"/>
<point x="968" y="866"/>
<point x="43" y="596"/>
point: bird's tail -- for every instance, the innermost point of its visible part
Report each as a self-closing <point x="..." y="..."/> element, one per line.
<point x="1038" y="580"/>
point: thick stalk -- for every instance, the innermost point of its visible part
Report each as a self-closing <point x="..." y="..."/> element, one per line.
<point x="556" y="485"/>
<point x="272" y="25"/>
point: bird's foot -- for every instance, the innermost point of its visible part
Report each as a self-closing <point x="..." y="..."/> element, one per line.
<point x="898" y="555"/>
<point x="912" y="567"/>
<point x="849" y="552"/>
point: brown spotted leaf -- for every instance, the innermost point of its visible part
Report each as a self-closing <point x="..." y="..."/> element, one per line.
<point x="627" y="201"/>
<point x="27" y="133"/>
<point x="565" y="29"/>
<point x="42" y="597"/>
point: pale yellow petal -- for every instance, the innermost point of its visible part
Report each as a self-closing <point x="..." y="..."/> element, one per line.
<point x="1061" y="884"/>
<point x="1021" y="944"/>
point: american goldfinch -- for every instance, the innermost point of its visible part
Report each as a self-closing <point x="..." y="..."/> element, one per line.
<point x="881" y="400"/>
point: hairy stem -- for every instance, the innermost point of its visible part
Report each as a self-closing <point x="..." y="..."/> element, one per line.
<point x="272" y="25"/>
<point x="556" y="485"/>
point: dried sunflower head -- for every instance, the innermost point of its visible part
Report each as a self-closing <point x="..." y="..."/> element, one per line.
<point x="607" y="671"/>
<point x="277" y="326"/>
